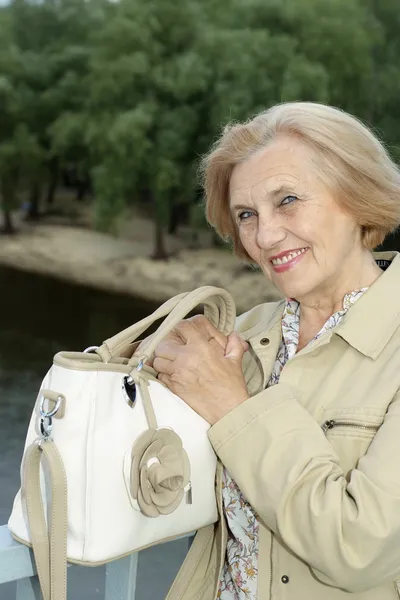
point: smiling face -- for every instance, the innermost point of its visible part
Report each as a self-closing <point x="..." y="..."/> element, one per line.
<point x="290" y="224"/>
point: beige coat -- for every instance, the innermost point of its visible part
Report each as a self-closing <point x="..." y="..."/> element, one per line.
<point x="328" y="502"/>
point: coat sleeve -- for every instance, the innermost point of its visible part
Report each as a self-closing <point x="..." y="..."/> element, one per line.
<point x="346" y="530"/>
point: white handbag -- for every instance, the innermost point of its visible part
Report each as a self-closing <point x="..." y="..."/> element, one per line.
<point x="114" y="462"/>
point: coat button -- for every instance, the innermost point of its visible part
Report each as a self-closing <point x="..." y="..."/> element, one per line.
<point x="264" y="341"/>
<point x="285" y="579"/>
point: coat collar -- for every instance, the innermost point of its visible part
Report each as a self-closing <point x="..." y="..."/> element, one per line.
<point x="368" y="326"/>
<point x="374" y="318"/>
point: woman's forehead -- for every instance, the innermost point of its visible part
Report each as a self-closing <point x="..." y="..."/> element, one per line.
<point x="283" y="163"/>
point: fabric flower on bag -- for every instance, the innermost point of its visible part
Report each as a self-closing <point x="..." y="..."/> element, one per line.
<point x="160" y="471"/>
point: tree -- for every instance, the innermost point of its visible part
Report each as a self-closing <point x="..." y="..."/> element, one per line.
<point x="146" y="80"/>
<point x="52" y="38"/>
<point x="128" y="95"/>
<point x="19" y="149"/>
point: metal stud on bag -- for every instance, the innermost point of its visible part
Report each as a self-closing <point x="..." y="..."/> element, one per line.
<point x="129" y="390"/>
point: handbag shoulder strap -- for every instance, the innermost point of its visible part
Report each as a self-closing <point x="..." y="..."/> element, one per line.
<point x="49" y="548"/>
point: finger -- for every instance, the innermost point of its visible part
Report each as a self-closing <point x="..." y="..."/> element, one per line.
<point x="163" y="366"/>
<point x="206" y="328"/>
<point x="169" y="349"/>
<point x="244" y="344"/>
<point x="215" y="344"/>
<point x="187" y="331"/>
<point x="199" y="333"/>
<point x="235" y="348"/>
<point x="165" y="379"/>
<point x="173" y="336"/>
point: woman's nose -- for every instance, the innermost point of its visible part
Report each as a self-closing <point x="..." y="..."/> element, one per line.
<point x="269" y="234"/>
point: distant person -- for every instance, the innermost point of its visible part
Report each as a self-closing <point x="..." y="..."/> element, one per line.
<point x="304" y="406"/>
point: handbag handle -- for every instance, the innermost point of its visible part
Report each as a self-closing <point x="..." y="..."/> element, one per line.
<point x="219" y="308"/>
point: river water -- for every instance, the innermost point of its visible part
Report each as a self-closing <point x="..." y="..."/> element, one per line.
<point x="38" y="317"/>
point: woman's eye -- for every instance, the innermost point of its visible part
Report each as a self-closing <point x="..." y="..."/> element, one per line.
<point x="244" y="215"/>
<point x="288" y="200"/>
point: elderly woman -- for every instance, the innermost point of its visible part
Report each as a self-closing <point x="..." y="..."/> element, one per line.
<point x="304" y="404"/>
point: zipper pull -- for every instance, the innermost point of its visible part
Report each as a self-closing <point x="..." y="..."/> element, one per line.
<point x="327" y="425"/>
<point x="188" y="490"/>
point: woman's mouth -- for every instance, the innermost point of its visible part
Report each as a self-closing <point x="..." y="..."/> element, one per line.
<point x="287" y="260"/>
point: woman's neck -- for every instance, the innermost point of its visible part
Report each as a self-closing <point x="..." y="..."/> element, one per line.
<point x="316" y="309"/>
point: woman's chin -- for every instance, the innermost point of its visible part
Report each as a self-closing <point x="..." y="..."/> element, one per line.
<point x="292" y="289"/>
<point x="289" y="284"/>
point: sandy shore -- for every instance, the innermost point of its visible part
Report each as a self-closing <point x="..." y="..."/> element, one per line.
<point x="122" y="264"/>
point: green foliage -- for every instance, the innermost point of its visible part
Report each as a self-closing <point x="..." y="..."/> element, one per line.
<point x="131" y="93"/>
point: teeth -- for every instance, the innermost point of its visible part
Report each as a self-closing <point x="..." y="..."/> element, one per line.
<point x="288" y="257"/>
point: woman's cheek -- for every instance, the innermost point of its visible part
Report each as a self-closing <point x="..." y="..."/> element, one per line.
<point x="248" y="240"/>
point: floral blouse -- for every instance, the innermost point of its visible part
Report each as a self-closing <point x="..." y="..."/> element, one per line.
<point x="239" y="575"/>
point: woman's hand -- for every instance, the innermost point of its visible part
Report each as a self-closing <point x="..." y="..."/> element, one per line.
<point x="204" y="367"/>
<point x="204" y="326"/>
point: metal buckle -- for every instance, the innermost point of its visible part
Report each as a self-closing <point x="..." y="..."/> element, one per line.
<point x="52" y="412"/>
<point x="46" y="422"/>
<point x="91" y="349"/>
<point x="46" y="427"/>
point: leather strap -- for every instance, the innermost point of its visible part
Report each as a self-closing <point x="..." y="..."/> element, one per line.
<point x="50" y="549"/>
<point x="219" y="308"/>
<point x="112" y="346"/>
<point x="221" y="312"/>
<point x="143" y="384"/>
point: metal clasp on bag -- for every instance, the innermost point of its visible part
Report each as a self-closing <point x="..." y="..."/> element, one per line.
<point x="90" y="349"/>
<point x="46" y="421"/>
<point x="129" y="385"/>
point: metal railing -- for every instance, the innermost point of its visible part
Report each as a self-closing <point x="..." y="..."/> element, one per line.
<point x="17" y="564"/>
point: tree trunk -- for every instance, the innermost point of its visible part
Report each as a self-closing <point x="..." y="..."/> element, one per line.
<point x="173" y="222"/>
<point x="8" y="225"/>
<point x="194" y="243"/>
<point x="51" y="191"/>
<point x="82" y="188"/>
<point x="160" y="252"/>
<point x="33" y="209"/>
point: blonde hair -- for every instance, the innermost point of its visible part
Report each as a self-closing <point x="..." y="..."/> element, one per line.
<point x="354" y="165"/>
